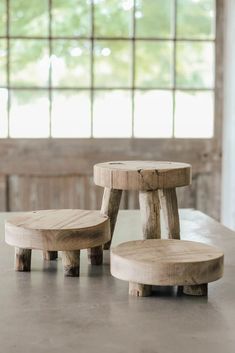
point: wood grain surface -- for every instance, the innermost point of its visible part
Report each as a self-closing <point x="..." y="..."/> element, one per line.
<point x="142" y="175"/>
<point x="58" y="230"/>
<point x="166" y="262"/>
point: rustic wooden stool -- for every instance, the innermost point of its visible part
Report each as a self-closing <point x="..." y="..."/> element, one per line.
<point x="58" y="230"/>
<point x="144" y="263"/>
<point x="156" y="183"/>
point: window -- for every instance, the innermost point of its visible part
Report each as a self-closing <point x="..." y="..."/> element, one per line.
<point x="107" y="68"/>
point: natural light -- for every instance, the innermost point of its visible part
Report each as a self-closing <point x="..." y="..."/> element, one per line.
<point x="126" y="70"/>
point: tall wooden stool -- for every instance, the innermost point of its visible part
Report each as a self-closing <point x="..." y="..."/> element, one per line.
<point x="165" y="262"/>
<point x="68" y="231"/>
<point x="156" y="183"/>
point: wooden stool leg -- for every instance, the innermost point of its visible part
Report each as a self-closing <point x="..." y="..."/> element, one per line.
<point x="169" y="204"/>
<point x="199" y="289"/>
<point x="50" y="255"/>
<point x="150" y="214"/>
<point x="23" y="259"/>
<point x="139" y="290"/>
<point x="95" y="255"/>
<point x="110" y="207"/>
<point x="71" y="263"/>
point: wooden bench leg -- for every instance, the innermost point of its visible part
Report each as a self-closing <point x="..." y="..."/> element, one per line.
<point x="110" y="207"/>
<point x="198" y="290"/>
<point x="50" y="255"/>
<point x="23" y="259"/>
<point x="150" y="214"/>
<point x="169" y="204"/>
<point x="71" y="263"/>
<point x="140" y="290"/>
<point x="95" y="255"/>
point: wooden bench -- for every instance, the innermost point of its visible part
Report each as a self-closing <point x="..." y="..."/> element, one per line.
<point x="144" y="263"/>
<point x="156" y="183"/>
<point x="68" y="231"/>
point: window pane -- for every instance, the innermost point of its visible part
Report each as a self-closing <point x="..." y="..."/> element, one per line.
<point x="153" y="114"/>
<point x="70" y="63"/>
<point x="3" y="112"/>
<point x="29" y="62"/>
<point x="112" y="65"/>
<point x="194" y="114"/>
<point x="71" y="114"/>
<point x="196" y="18"/>
<point x="154" y="18"/>
<point x="3" y="17"/>
<point x="29" y="18"/>
<point x="77" y="14"/>
<point x="154" y="64"/>
<point x="112" y="114"/>
<point x="3" y="62"/>
<point x="29" y="114"/>
<point x="195" y="65"/>
<point x="113" y="18"/>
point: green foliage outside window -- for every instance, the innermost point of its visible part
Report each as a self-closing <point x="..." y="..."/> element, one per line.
<point x="112" y="18"/>
<point x="82" y="44"/>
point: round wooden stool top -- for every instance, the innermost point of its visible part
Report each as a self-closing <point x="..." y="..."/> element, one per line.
<point x="57" y="230"/>
<point x="142" y="175"/>
<point x="166" y="262"/>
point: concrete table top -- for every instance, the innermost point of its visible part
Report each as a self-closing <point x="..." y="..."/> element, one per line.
<point x="45" y="312"/>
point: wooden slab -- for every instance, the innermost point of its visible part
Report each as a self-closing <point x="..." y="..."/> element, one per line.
<point x="58" y="230"/>
<point x="142" y="175"/>
<point x="166" y="262"/>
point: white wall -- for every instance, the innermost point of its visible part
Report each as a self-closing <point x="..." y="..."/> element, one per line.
<point x="228" y="169"/>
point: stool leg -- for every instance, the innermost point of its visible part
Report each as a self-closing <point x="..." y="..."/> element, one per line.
<point x="140" y="290"/>
<point x="169" y="204"/>
<point x="150" y="214"/>
<point x="95" y="255"/>
<point x="23" y="259"/>
<point x="71" y="263"/>
<point x="199" y="289"/>
<point x="151" y="226"/>
<point x="50" y="255"/>
<point x="110" y="207"/>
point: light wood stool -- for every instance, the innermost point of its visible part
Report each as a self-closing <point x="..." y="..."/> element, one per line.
<point x="68" y="231"/>
<point x="156" y="183"/>
<point x="144" y="263"/>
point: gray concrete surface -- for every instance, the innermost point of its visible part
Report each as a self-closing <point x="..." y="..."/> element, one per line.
<point x="42" y="311"/>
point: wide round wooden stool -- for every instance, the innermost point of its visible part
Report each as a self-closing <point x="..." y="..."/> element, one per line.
<point x="156" y="183"/>
<point x="144" y="263"/>
<point x="68" y="231"/>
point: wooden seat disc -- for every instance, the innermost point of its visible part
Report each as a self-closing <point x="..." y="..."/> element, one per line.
<point x="166" y="262"/>
<point x="57" y="230"/>
<point x="142" y="175"/>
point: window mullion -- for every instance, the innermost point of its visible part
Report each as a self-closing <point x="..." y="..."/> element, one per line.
<point x="8" y="66"/>
<point x="133" y="68"/>
<point x="92" y="65"/>
<point x="50" y="68"/>
<point x="174" y="62"/>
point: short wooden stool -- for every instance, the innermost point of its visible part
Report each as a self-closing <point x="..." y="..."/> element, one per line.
<point x="156" y="183"/>
<point x="144" y="263"/>
<point x="58" y="230"/>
